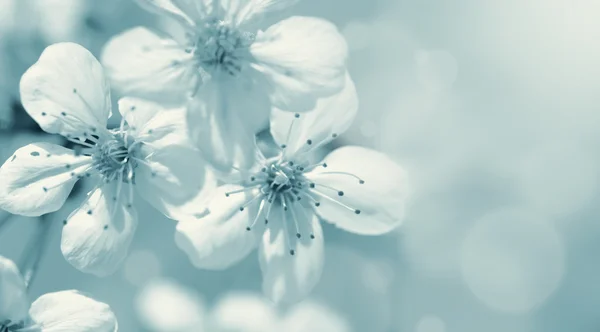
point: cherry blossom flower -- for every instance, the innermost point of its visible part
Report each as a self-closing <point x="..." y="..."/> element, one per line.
<point x="66" y="93"/>
<point x="279" y="204"/>
<point x="52" y="312"/>
<point x="165" y="306"/>
<point x="234" y="70"/>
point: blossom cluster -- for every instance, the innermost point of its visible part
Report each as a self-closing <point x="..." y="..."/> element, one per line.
<point x="187" y="144"/>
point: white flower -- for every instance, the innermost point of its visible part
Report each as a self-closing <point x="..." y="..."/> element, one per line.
<point x="236" y="71"/>
<point x="53" y="312"/>
<point x="66" y="93"/>
<point x="165" y="306"/>
<point x="279" y="204"/>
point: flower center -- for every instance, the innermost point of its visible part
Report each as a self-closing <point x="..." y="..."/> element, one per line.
<point x="219" y="47"/>
<point x="114" y="159"/>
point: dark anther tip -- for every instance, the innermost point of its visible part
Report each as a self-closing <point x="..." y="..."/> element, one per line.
<point x="324" y="165"/>
<point x="317" y="204"/>
<point x="312" y="236"/>
<point x="298" y="235"/>
<point x="312" y="185"/>
<point x="248" y="228"/>
<point x="105" y="227"/>
<point x="309" y="142"/>
<point x="242" y="209"/>
<point x="89" y="212"/>
<point x="357" y="211"/>
<point x="361" y="181"/>
<point x="65" y="222"/>
<point x="226" y="195"/>
<point x="252" y="178"/>
<point x="292" y="252"/>
<point x="283" y="146"/>
<point x="340" y="193"/>
<point x="266" y="221"/>
<point x="297" y="115"/>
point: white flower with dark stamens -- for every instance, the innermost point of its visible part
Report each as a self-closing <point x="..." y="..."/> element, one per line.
<point x="52" y="312"/>
<point x="279" y="204"/>
<point x="235" y="71"/>
<point x="66" y="93"/>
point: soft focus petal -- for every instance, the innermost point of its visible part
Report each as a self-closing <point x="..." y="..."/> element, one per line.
<point x="176" y="181"/>
<point x="221" y="238"/>
<point x="66" y="91"/>
<point x="244" y="312"/>
<point x="96" y="237"/>
<point x="143" y="64"/>
<point x="242" y="12"/>
<point x="38" y="178"/>
<point x="303" y="131"/>
<point x="304" y="59"/>
<point x="71" y="311"/>
<point x="289" y="278"/>
<point x="381" y="199"/>
<point x="13" y="293"/>
<point x="224" y="119"/>
<point x="311" y="316"/>
<point x="187" y="12"/>
<point x="165" y="306"/>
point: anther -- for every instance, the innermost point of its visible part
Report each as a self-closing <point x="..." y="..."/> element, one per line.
<point x="357" y="211"/>
<point x="298" y="235"/>
<point x="340" y="193"/>
<point x="297" y="115"/>
<point x="309" y="142"/>
<point x="292" y="252"/>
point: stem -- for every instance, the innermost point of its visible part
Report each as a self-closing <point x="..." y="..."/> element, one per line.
<point x="35" y="249"/>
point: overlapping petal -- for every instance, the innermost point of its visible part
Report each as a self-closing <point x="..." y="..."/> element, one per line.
<point x="332" y="116"/>
<point x="187" y="12"/>
<point x="289" y="278"/>
<point x="13" y="300"/>
<point x="244" y="12"/>
<point x="381" y="199"/>
<point x="38" y="178"/>
<point x="304" y="59"/>
<point x="97" y="236"/>
<point x="72" y="311"/>
<point x="220" y="239"/>
<point x="141" y="63"/>
<point x="66" y="91"/>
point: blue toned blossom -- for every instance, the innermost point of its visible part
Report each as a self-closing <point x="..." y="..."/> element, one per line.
<point x="66" y="93"/>
<point x="52" y="312"/>
<point x="278" y="205"/>
<point x="233" y="69"/>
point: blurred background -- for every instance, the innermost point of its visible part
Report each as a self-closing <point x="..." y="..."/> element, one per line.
<point x="491" y="106"/>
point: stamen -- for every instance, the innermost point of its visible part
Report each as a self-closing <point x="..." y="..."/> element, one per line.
<point x="360" y="181"/>
<point x="357" y="211"/>
<point x="227" y="194"/>
<point x="260" y="209"/>
<point x="285" y="229"/>
<point x="254" y="198"/>
<point x="298" y="235"/>
<point x="339" y="192"/>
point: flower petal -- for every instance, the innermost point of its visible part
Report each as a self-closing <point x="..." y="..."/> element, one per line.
<point x="304" y="59"/>
<point x="224" y="119"/>
<point x="381" y="199"/>
<point x="175" y="181"/>
<point x="96" y="237"/>
<point x="142" y="64"/>
<point x="187" y="12"/>
<point x="38" y="178"/>
<point x="66" y="91"/>
<point x="243" y="311"/>
<point x="220" y="239"/>
<point x="72" y="311"/>
<point x="331" y="117"/>
<point x="289" y="278"/>
<point x="13" y="300"/>
<point x="312" y="316"/>
<point x="242" y="12"/>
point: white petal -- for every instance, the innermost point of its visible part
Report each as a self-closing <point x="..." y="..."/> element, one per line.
<point x="13" y="293"/>
<point x="166" y="306"/>
<point x="66" y="91"/>
<point x="219" y="239"/>
<point x="381" y="199"/>
<point x="289" y="278"/>
<point x="224" y="119"/>
<point x="71" y="311"/>
<point x="38" y="178"/>
<point x="331" y="117"/>
<point x="140" y="63"/>
<point x="176" y="181"/>
<point x="311" y="316"/>
<point x="187" y="12"/>
<point x="244" y="312"/>
<point x="304" y="58"/>
<point x="96" y="237"/>
<point x="154" y="124"/>
<point x="242" y="12"/>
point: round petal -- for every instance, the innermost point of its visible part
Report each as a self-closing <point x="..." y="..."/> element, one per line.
<point x="304" y="59"/>
<point x="143" y="64"/>
<point x="381" y="199"/>
<point x="66" y="91"/>
<point x="38" y="178"/>
<point x="97" y="236"/>
<point x="175" y="181"/>
<point x="244" y="312"/>
<point x="289" y="278"/>
<point x="72" y="311"/>
<point x="224" y="118"/>
<point x="13" y="293"/>
<point x="312" y="316"/>
<point x="302" y="132"/>
<point x="220" y="239"/>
